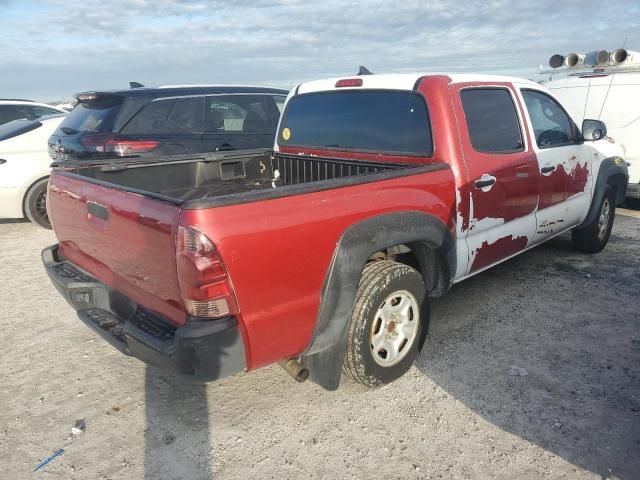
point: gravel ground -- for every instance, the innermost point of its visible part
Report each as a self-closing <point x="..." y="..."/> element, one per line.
<point x="531" y="370"/>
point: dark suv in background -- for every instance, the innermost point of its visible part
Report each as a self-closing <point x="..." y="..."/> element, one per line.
<point x="172" y="120"/>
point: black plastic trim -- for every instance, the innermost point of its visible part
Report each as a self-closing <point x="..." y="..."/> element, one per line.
<point x="201" y="350"/>
<point x="324" y="355"/>
<point x="416" y="85"/>
<point x="609" y="167"/>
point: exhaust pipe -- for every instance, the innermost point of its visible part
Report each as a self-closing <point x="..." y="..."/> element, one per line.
<point x="294" y="368"/>
<point x="574" y="60"/>
<point x="556" y="61"/>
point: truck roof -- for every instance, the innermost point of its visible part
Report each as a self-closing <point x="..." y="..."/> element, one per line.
<point x="407" y="81"/>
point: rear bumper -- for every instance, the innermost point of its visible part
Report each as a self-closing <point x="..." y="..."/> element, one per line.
<point x="201" y="350"/>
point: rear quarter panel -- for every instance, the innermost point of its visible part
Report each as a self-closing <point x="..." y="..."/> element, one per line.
<point x="278" y="251"/>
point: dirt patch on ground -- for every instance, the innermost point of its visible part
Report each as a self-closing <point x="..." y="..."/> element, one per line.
<point x="530" y="370"/>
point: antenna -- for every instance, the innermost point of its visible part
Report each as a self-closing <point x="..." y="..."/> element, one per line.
<point x="613" y="74"/>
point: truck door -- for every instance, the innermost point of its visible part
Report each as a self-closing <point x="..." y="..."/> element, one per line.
<point x="564" y="163"/>
<point x="502" y="173"/>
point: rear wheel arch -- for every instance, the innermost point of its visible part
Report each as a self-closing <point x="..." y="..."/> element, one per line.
<point x="618" y="181"/>
<point x="430" y="244"/>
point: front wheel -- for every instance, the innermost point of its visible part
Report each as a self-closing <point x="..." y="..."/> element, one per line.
<point x="389" y="314"/>
<point x="593" y="237"/>
<point x="35" y="204"/>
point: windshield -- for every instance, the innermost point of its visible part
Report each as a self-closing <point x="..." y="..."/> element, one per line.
<point x="94" y="116"/>
<point x="394" y="122"/>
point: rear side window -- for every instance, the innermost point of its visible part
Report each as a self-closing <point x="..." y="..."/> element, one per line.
<point x="552" y="126"/>
<point x="94" y="116"/>
<point x="187" y="113"/>
<point x="242" y="113"/>
<point x="492" y="120"/>
<point x="381" y="121"/>
<point x="42" y="111"/>
<point x="166" y="117"/>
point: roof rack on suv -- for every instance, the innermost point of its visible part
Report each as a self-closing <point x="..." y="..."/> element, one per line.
<point x="15" y="100"/>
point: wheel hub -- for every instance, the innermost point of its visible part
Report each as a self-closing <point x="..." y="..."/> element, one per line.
<point x="394" y="328"/>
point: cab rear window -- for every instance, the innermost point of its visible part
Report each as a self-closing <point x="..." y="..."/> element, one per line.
<point x="94" y="116"/>
<point x="381" y="121"/>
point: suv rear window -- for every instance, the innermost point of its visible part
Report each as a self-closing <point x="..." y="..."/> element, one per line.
<point x="94" y="116"/>
<point x="382" y="121"/>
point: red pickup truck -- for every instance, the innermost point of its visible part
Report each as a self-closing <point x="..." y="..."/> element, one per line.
<point x="381" y="191"/>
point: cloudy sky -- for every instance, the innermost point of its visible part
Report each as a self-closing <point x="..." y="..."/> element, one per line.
<point x="50" y="50"/>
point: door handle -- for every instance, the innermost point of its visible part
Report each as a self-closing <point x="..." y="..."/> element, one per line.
<point x="225" y="147"/>
<point x="485" y="182"/>
<point x="547" y="169"/>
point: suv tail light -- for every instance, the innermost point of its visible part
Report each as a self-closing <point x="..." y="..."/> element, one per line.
<point x="118" y="145"/>
<point x="125" y="146"/>
<point x="204" y="282"/>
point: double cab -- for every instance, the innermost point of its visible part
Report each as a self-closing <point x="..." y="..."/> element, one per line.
<point x="381" y="191"/>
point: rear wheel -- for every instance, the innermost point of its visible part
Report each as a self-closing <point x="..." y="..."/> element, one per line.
<point x="387" y="321"/>
<point x="35" y="204"/>
<point x="593" y="237"/>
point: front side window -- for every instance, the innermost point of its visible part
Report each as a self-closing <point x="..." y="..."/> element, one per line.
<point x="381" y="121"/>
<point x="552" y="126"/>
<point x="492" y="120"/>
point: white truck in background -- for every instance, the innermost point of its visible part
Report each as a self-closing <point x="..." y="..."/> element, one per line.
<point x="605" y="86"/>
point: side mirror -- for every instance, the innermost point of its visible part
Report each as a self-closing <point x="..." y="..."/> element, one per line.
<point x="593" y="130"/>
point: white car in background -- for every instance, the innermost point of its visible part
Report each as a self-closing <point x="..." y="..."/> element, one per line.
<point x="24" y="168"/>
<point x="606" y="86"/>
<point x="15" y="109"/>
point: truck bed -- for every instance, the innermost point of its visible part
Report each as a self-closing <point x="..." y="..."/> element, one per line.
<point x="203" y="180"/>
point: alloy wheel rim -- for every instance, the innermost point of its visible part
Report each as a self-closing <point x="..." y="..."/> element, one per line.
<point x="41" y="207"/>
<point x="603" y="220"/>
<point x="394" y="328"/>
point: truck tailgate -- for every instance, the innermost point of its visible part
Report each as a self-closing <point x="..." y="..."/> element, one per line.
<point x="124" y="239"/>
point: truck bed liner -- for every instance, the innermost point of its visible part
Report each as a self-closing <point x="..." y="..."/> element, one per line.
<point x="214" y="180"/>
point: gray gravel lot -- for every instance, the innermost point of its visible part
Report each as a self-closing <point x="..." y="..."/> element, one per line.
<point x="531" y="370"/>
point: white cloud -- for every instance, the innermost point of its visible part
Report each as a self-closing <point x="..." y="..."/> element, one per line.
<point x="66" y="46"/>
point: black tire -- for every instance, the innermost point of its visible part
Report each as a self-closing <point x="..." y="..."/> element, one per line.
<point x="35" y="204"/>
<point x="379" y="282"/>
<point x="593" y="237"/>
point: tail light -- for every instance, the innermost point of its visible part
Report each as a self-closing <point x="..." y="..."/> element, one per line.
<point x="204" y="282"/>
<point x="124" y="147"/>
<point x="118" y="145"/>
<point x="349" y="82"/>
